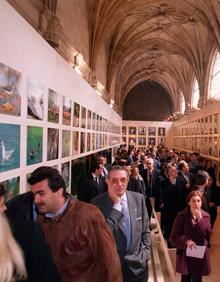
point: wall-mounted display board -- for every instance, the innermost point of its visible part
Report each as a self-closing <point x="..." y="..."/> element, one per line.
<point x="48" y="114"/>
<point x="147" y="133"/>
<point x="200" y="132"/>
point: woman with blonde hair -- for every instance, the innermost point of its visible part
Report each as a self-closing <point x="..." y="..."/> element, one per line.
<point x="12" y="266"/>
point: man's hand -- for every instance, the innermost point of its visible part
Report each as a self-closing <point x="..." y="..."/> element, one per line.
<point x="111" y="192"/>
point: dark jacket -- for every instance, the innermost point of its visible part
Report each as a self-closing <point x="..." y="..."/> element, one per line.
<point x="87" y="188"/>
<point x="38" y="257"/>
<point x="20" y="207"/>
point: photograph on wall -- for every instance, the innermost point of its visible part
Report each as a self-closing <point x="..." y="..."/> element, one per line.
<point x="65" y="143"/>
<point x="82" y="142"/>
<point x="97" y="122"/>
<point x="161" y="141"/>
<point x="152" y="141"/>
<point x="88" y="142"/>
<point x="67" y="103"/>
<point x="132" y="130"/>
<point x="52" y="144"/>
<point x="53" y="106"/>
<point x="142" y="141"/>
<point x="131" y="141"/>
<point x="65" y="172"/>
<point x="152" y="131"/>
<point x="10" y="98"/>
<point x="123" y="139"/>
<point x="93" y="121"/>
<point x="141" y="130"/>
<point x="83" y="117"/>
<point x="97" y="139"/>
<point x="93" y="142"/>
<point x="34" y="145"/>
<point x="124" y="130"/>
<point x="161" y="131"/>
<point x="76" y="112"/>
<point x="89" y="119"/>
<point x="75" y="143"/>
<point x="35" y="99"/>
<point x="9" y="146"/>
<point x="11" y="187"/>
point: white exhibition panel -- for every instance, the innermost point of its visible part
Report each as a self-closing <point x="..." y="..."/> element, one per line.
<point x="25" y="51"/>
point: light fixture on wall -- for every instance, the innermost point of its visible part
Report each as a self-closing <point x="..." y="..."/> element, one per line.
<point x="76" y="62"/>
<point x="112" y="103"/>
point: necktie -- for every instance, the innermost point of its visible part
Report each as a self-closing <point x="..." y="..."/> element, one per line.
<point x="96" y="180"/>
<point x="150" y="183"/>
<point x="126" y="222"/>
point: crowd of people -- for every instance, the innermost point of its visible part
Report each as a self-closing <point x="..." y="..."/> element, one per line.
<point x="104" y="234"/>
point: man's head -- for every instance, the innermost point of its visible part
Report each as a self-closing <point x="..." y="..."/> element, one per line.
<point x="2" y="199"/>
<point x="182" y="156"/>
<point x="201" y="178"/>
<point x="118" y="180"/>
<point x="183" y="167"/>
<point x="150" y="164"/>
<point x="48" y="188"/>
<point x="128" y="169"/>
<point x="96" y="168"/>
<point x="102" y="160"/>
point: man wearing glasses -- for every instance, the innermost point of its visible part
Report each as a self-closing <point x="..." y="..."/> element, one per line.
<point x="126" y="214"/>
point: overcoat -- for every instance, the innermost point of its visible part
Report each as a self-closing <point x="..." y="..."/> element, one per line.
<point x="184" y="229"/>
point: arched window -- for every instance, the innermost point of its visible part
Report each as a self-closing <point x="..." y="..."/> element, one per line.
<point x="214" y="88"/>
<point x="182" y="103"/>
<point x="195" y="95"/>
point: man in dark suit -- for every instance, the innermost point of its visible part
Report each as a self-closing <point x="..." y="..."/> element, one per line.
<point x="91" y="185"/>
<point x="126" y="213"/>
<point x="106" y="167"/>
<point x="185" y="181"/>
<point x="152" y="179"/>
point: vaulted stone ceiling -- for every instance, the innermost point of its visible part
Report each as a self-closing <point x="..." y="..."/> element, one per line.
<point x="122" y="43"/>
<point x="169" y="42"/>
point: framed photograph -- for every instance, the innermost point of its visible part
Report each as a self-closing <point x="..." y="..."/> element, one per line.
<point x="35" y="99"/>
<point x="132" y="130"/>
<point x="75" y="143"/>
<point x="65" y="172"/>
<point x="89" y="119"/>
<point x="123" y="139"/>
<point x="93" y="142"/>
<point x="76" y="112"/>
<point x="132" y="141"/>
<point x="152" y="141"/>
<point x="152" y="131"/>
<point x="88" y="142"/>
<point x="142" y="141"/>
<point x="9" y="146"/>
<point x="161" y="141"/>
<point x="82" y="142"/>
<point x="93" y="121"/>
<point x="97" y="139"/>
<point x="52" y="143"/>
<point x="67" y="112"/>
<point x="97" y="122"/>
<point x="11" y="187"/>
<point x="65" y="143"/>
<point x="53" y="106"/>
<point x="10" y="97"/>
<point x="142" y="130"/>
<point x="161" y="131"/>
<point x="83" y="117"/>
<point x="34" y="145"/>
<point x="124" y="130"/>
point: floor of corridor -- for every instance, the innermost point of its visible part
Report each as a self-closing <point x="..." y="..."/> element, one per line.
<point x="214" y="254"/>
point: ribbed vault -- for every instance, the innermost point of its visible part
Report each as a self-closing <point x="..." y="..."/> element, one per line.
<point x="169" y="42"/>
